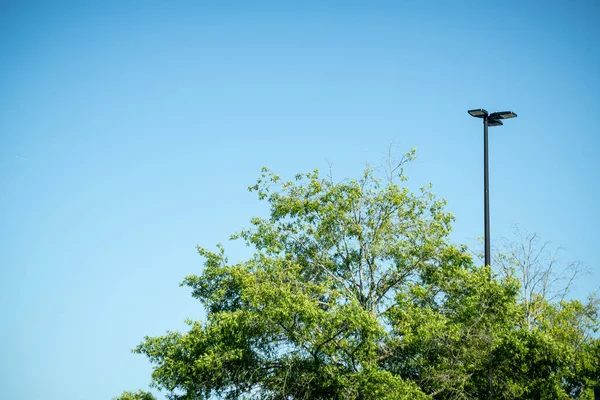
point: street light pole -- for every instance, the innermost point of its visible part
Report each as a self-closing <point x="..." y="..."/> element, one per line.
<point x="486" y="193"/>
<point x="492" y="119"/>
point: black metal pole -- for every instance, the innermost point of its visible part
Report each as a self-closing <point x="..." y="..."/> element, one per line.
<point x="486" y="194"/>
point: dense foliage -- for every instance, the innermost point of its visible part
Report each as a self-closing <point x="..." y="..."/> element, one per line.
<point x="355" y="292"/>
<point x="139" y="395"/>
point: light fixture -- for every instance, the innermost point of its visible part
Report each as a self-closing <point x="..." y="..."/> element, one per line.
<point x="480" y="113"/>
<point x="502" y="115"/>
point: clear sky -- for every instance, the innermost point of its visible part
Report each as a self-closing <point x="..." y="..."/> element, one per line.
<point x="130" y="130"/>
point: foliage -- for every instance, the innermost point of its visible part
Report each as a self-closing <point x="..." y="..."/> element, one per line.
<point x="139" y="395"/>
<point x="355" y="292"/>
<point x="541" y="276"/>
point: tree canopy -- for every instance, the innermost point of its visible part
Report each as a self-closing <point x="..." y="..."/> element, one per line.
<point x="354" y="291"/>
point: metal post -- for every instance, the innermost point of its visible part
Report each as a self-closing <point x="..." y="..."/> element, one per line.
<point x="486" y="195"/>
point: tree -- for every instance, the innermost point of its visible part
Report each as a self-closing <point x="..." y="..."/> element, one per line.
<point x="543" y="280"/>
<point x="558" y="342"/>
<point x="309" y="315"/>
<point x="139" y="395"/>
<point x="354" y="291"/>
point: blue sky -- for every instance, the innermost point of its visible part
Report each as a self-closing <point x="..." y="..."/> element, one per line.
<point x="129" y="132"/>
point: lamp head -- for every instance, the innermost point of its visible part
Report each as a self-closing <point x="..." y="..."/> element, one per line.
<point x="503" y="115"/>
<point x="479" y="113"/>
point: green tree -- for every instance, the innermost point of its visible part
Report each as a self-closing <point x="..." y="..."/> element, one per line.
<point x="309" y="315"/>
<point x="553" y="349"/>
<point x="139" y="395"/>
<point x="542" y="277"/>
